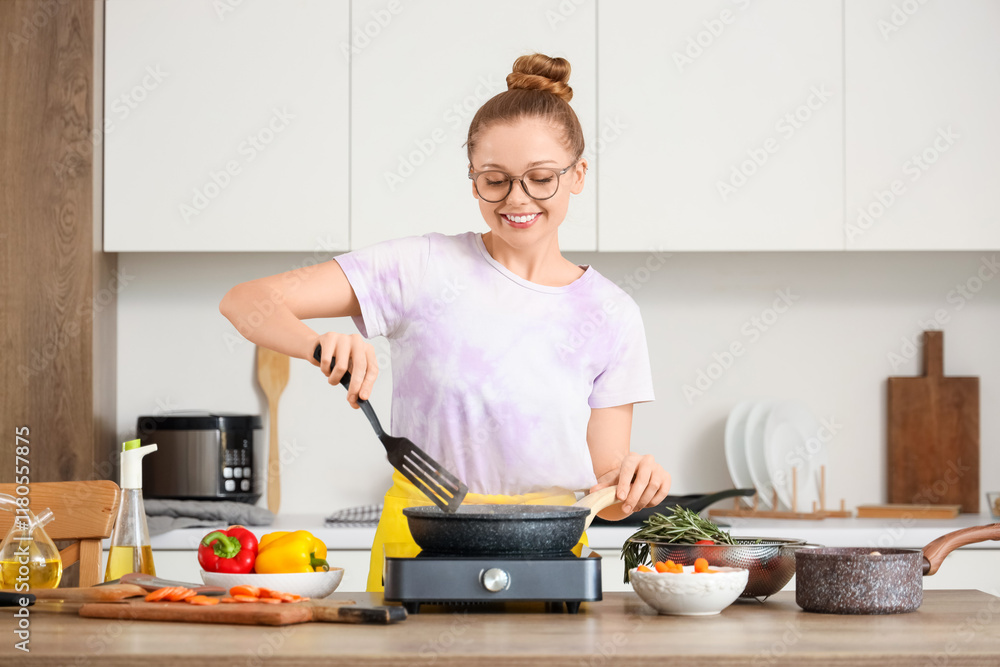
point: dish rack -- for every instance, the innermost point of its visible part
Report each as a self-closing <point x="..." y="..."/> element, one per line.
<point x="817" y="513"/>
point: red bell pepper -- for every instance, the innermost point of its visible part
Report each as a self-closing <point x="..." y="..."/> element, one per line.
<point x="233" y="550"/>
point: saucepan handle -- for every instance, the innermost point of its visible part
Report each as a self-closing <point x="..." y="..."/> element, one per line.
<point x="935" y="552"/>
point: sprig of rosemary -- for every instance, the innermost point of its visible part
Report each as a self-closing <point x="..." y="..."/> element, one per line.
<point x="682" y="526"/>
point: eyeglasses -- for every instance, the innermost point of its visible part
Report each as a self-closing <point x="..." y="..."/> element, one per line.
<point x="538" y="183"/>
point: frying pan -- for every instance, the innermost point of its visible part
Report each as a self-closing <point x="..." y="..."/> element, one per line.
<point x="695" y="502"/>
<point x="875" y="581"/>
<point x="505" y="529"/>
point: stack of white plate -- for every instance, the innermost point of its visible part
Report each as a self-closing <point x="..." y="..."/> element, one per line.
<point x="765" y="440"/>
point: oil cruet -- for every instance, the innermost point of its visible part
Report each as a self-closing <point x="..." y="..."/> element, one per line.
<point x="28" y="556"/>
<point x="130" y="550"/>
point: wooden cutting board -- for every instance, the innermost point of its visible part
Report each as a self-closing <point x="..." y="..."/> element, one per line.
<point x="934" y="435"/>
<point x="252" y="613"/>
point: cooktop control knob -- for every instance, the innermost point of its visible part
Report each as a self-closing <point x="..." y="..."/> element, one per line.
<point x="495" y="580"/>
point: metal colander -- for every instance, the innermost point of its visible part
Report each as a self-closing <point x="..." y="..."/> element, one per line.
<point x="770" y="561"/>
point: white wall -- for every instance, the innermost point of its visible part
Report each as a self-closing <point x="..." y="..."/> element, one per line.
<point x="830" y="349"/>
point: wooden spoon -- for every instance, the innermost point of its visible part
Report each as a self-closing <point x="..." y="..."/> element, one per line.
<point x="272" y="374"/>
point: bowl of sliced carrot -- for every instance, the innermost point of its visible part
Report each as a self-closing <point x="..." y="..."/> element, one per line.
<point x="303" y="584"/>
<point x="688" y="590"/>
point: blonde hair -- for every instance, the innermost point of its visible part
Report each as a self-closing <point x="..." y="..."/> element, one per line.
<point x="536" y="88"/>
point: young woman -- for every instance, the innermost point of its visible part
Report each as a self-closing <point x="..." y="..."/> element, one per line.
<point x="513" y="367"/>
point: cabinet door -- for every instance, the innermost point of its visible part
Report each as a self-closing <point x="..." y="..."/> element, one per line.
<point x="728" y="125"/>
<point x="923" y="94"/>
<point x="226" y="125"/>
<point x="420" y="71"/>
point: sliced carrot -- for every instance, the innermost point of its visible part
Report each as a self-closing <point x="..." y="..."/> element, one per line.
<point x="179" y="593"/>
<point x="284" y="597"/>
<point x="251" y="591"/>
<point x="675" y="568"/>
<point x="202" y="600"/>
<point x="187" y="594"/>
<point x="227" y="600"/>
<point x="643" y="568"/>
<point x="245" y="598"/>
<point x="157" y="595"/>
<point x="265" y="593"/>
<point x="661" y="567"/>
<point x="700" y="565"/>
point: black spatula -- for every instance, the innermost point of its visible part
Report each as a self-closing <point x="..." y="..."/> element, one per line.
<point x="425" y="473"/>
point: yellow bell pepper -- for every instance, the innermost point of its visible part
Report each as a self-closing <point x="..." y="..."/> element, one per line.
<point x="283" y="552"/>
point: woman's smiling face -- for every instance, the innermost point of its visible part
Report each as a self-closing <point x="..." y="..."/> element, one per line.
<point x="515" y="148"/>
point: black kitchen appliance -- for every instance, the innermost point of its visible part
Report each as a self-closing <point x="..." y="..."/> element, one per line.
<point x="416" y="577"/>
<point x="201" y="456"/>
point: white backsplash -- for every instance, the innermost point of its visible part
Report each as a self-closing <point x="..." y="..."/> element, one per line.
<point x="824" y="328"/>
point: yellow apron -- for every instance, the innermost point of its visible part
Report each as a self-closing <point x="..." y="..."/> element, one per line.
<point x="392" y="526"/>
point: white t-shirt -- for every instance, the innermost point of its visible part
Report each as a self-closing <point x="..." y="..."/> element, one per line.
<point x="495" y="376"/>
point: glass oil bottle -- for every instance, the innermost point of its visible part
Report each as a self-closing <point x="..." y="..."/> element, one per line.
<point x="130" y="550"/>
<point x="28" y="556"/>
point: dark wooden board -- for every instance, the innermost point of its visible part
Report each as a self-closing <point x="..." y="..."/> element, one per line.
<point x="933" y="440"/>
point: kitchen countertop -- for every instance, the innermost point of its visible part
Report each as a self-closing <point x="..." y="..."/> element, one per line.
<point x="881" y="533"/>
<point x="951" y="627"/>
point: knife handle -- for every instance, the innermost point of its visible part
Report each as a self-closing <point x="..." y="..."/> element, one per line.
<point x="355" y="614"/>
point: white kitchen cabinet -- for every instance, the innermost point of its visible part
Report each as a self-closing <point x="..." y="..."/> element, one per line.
<point x="922" y="138"/>
<point x="419" y="72"/>
<point x="727" y="125"/>
<point x="226" y="125"/>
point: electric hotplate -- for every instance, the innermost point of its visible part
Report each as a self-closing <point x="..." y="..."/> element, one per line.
<point x="417" y="578"/>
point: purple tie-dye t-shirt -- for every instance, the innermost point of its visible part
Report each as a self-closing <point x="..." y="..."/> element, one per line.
<point x="495" y="376"/>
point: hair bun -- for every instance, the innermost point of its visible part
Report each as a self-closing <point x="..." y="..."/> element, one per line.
<point x="540" y="72"/>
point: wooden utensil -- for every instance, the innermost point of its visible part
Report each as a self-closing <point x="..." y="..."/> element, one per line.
<point x="251" y="613"/>
<point x="908" y="511"/>
<point x="432" y="478"/>
<point x="90" y="594"/>
<point x="934" y="435"/>
<point x="272" y="374"/>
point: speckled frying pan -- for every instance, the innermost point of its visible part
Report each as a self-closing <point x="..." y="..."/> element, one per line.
<point x="861" y="580"/>
<point x="505" y="529"/>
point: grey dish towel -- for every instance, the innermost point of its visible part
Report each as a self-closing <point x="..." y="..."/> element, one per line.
<point x="165" y="515"/>
<point x="364" y="515"/>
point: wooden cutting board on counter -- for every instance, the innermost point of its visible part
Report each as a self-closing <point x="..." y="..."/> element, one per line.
<point x="251" y="613"/>
<point x="934" y="435"/>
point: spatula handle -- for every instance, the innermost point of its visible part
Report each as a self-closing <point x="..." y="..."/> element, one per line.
<point x="345" y="382"/>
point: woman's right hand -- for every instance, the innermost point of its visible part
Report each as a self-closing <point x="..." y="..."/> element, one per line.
<point x="350" y="352"/>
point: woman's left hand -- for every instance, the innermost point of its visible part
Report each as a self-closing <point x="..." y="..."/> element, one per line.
<point x="642" y="482"/>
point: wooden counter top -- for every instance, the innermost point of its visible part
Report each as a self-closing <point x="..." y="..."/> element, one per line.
<point x="952" y="627"/>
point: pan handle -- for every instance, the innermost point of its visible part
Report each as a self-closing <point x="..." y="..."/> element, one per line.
<point x="935" y="552"/>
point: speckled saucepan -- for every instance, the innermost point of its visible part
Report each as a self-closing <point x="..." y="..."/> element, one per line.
<point x="505" y="529"/>
<point x="861" y="580"/>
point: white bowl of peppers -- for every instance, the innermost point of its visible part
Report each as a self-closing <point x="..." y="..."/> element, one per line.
<point x="290" y="562"/>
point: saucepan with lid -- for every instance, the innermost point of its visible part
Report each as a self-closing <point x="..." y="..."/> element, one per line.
<point x="875" y="581"/>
